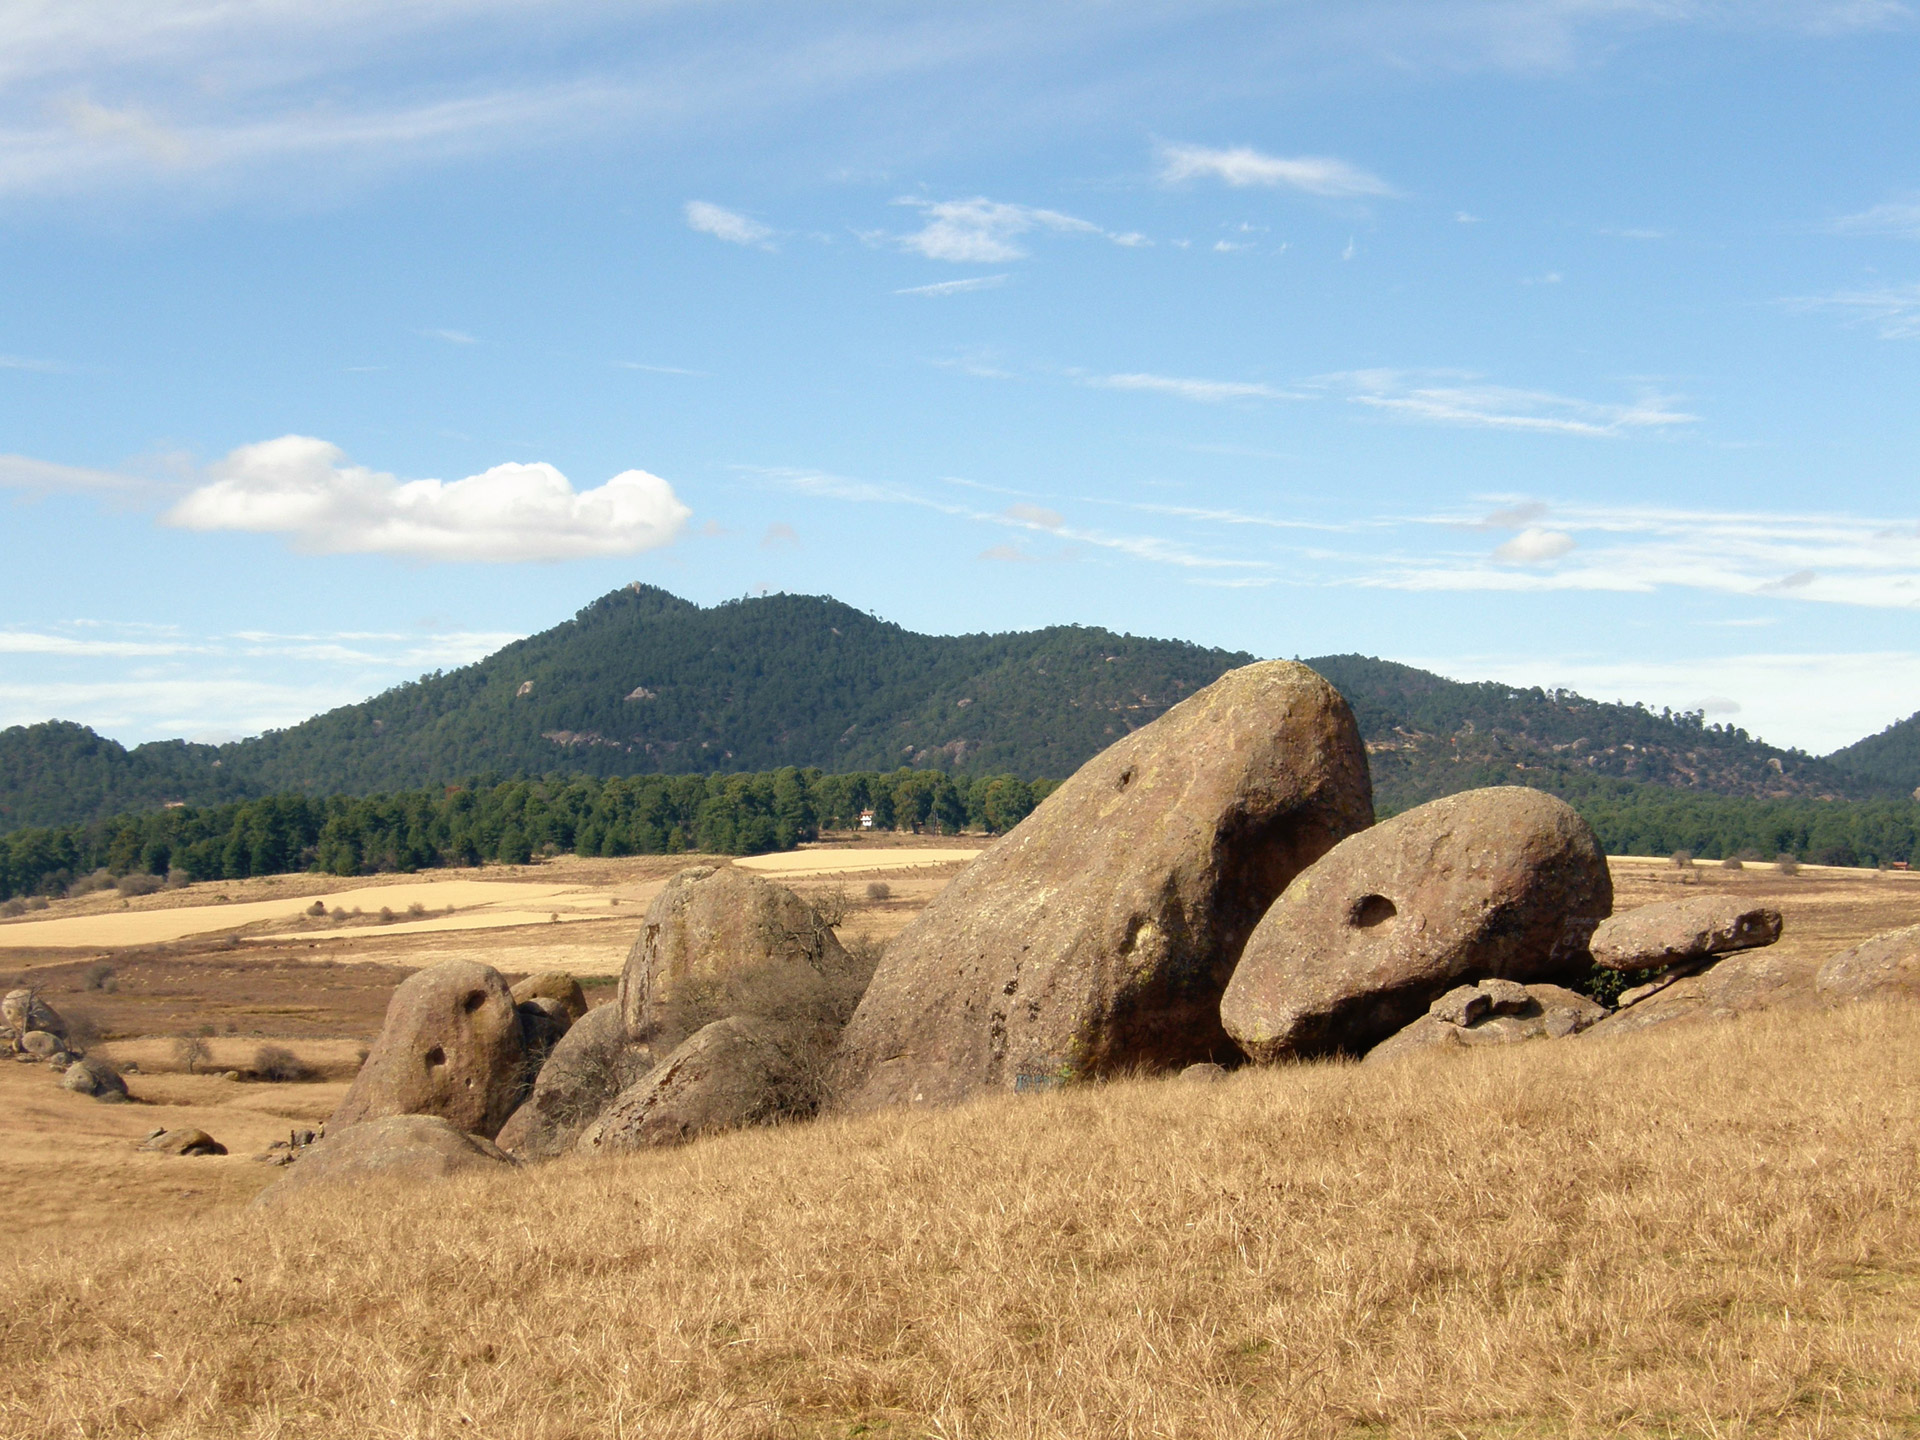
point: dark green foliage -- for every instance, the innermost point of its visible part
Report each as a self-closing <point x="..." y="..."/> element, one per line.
<point x="1891" y="758"/>
<point x="510" y="821"/>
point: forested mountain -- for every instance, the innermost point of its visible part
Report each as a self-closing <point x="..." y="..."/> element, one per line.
<point x="1891" y="758"/>
<point x="642" y="682"/>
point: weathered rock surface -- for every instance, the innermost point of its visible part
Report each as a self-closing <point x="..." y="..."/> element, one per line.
<point x="712" y="931"/>
<point x="413" y="1149"/>
<point x="95" y="1078"/>
<point x="1506" y="883"/>
<point x="1542" y="1012"/>
<point x="1887" y="964"/>
<point x="452" y="1046"/>
<point x="186" y="1141"/>
<point x="543" y="1023"/>
<point x="1204" y="1073"/>
<point x="732" y="1073"/>
<point x="1745" y="981"/>
<point x="42" y="1044"/>
<point x="591" y="1065"/>
<point x="554" y="985"/>
<point x="24" y="1012"/>
<point x="1100" y="932"/>
<point x="1674" y="932"/>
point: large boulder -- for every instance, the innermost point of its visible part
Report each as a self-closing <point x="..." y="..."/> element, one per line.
<point x="543" y="1023"/>
<point x="1740" y="984"/>
<point x="1099" y="933"/>
<point x="712" y="939"/>
<point x="1887" y="964"/>
<point x="732" y="1073"/>
<point x="24" y="1012"/>
<point x="1501" y="1013"/>
<point x="413" y="1149"/>
<point x="97" y="1079"/>
<point x="452" y="1046"/>
<point x="592" y="1064"/>
<point x="1678" y="932"/>
<point x="554" y="985"/>
<point x="1506" y="883"/>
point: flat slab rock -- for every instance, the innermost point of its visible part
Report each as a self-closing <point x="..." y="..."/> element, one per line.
<point x="1673" y="932"/>
<point x="1504" y="882"/>
<point x="414" y="1149"/>
<point x="1741" y="983"/>
<point x="1887" y="964"/>
<point x="1537" y="1012"/>
<point x="1099" y="933"/>
<point x="185" y="1141"/>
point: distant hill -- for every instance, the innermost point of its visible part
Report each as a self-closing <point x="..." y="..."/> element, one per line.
<point x="643" y="682"/>
<point x="1891" y="758"/>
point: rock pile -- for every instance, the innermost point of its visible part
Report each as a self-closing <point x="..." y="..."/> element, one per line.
<point x="1100" y="932"/>
<point x="1494" y="1012"/>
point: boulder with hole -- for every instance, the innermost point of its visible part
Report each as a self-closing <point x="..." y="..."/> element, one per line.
<point x="1679" y="932"/>
<point x="712" y="930"/>
<point x="732" y="1073"/>
<point x="407" y="1149"/>
<point x="1099" y="933"/>
<point x="594" y="1062"/>
<point x="554" y="985"/>
<point x="452" y="1046"/>
<point x="1506" y="883"/>
<point x="24" y="1012"/>
<point x="1536" y="1012"/>
<point x="1886" y="965"/>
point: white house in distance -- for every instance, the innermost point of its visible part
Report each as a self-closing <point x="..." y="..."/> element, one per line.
<point x="866" y="819"/>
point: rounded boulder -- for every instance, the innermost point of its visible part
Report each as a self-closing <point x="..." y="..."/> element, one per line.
<point x="407" y="1149"/>
<point x="452" y="1046"/>
<point x="591" y="1065"/>
<point x="1505" y="883"/>
<point x="732" y="1073"/>
<point x="1887" y="964"/>
<point x="554" y="985"/>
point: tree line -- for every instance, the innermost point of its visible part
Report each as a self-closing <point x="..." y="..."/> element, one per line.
<point x="511" y="821"/>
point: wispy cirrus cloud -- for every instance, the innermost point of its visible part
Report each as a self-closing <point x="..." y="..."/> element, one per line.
<point x="956" y="287"/>
<point x="22" y="472"/>
<point x="1208" y="392"/>
<point x="1241" y="166"/>
<point x="1893" y="310"/>
<point x="980" y="231"/>
<point x="1458" y="398"/>
<point x="1898" y="217"/>
<point x="728" y="225"/>
<point x="306" y="489"/>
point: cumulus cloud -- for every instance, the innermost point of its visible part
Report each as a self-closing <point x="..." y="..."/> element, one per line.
<point x="728" y="225"/>
<point x="1206" y="391"/>
<point x="1534" y="546"/>
<point x="304" y="487"/>
<point x="986" y="232"/>
<point x="1242" y="166"/>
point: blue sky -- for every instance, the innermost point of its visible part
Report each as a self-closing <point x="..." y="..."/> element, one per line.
<point x="1569" y="342"/>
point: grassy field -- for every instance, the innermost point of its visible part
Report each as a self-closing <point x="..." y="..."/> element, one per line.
<point x="1708" y="1231"/>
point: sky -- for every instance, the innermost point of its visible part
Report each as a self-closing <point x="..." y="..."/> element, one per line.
<point x="1560" y="343"/>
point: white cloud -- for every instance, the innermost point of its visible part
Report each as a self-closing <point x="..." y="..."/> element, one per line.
<point x="1894" y="310"/>
<point x="23" y="473"/>
<point x="1243" y="166"/>
<point x="21" y="362"/>
<point x="728" y="225"/>
<point x="1457" y="399"/>
<point x="303" y="487"/>
<point x="1901" y="218"/>
<point x="1037" y="515"/>
<point x="1209" y="392"/>
<point x="1534" y="546"/>
<point x="983" y="232"/>
<point x="956" y="287"/>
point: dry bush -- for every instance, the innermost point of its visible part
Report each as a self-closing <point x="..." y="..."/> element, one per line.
<point x="99" y="976"/>
<point x="416" y="910"/>
<point x="832" y="905"/>
<point x="879" y="891"/>
<point x="280" y="1065"/>
<point x="317" y="909"/>
<point x="1786" y="864"/>
<point x="1683" y="859"/>
<point x="1732" y="862"/>
<point x="13" y="907"/>
<point x="386" y="914"/>
<point x="1511" y="1243"/>
<point x="99" y="880"/>
<point x="137" y="882"/>
<point x="83" y="1031"/>
<point x="191" y="1051"/>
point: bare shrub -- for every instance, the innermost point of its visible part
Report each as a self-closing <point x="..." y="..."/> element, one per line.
<point x="1786" y="864"/>
<point x="12" y="908"/>
<point x="99" y="976"/>
<point x="83" y="1031"/>
<point x="337" y="915"/>
<point x="87" y="884"/>
<point x="317" y="909"/>
<point x="1732" y="862"/>
<point x="137" y="882"/>
<point x="416" y="910"/>
<point x="281" y="1066"/>
<point x="878" y="891"/>
<point x="191" y="1051"/>
<point x="832" y="906"/>
<point x="386" y="914"/>
<point x="178" y="879"/>
<point x="38" y="902"/>
<point x="1683" y="859"/>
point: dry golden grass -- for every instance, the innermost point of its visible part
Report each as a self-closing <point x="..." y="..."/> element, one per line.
<point x="1703" y="1231"/>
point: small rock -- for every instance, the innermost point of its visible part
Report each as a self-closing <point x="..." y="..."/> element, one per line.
<point x="554" y="985"/>
<point x="1548" y="1012"/>
<point x="184" y="1142"/>
<point x="1505" y="997"/>
<point x="409" y="1148"/>
<point x="42" y="1045"/>
<point x="1204" y="1073"/>
<point x="1675" y="931"/>
<point x="1461" y="1005"/>
<point x="59" y="1063"/>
